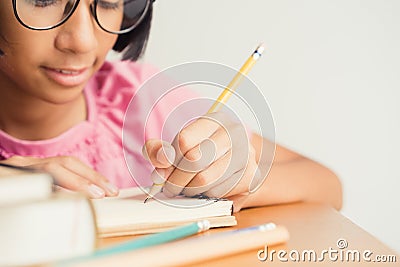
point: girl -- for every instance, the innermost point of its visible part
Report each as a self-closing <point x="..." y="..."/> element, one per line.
<point x="62" y="106"/>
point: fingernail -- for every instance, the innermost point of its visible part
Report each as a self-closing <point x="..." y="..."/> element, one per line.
<point x="166" y="154"/>
<point x="158" y="176"/>
<point x="167" y="193"/>
<point x="95" y="191"/>
<point x="112" y="188"/>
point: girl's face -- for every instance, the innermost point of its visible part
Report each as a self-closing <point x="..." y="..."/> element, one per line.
<point x="52" y="65"/>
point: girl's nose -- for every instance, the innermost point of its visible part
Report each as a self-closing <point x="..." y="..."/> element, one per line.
<point x="78" y="33"/>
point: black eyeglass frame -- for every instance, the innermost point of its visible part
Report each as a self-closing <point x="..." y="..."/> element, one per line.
<point x="93" y="8"/>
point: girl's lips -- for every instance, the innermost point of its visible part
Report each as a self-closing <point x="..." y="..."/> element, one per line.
<point x="67" y="77"/>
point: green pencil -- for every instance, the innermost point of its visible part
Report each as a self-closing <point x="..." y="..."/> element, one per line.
<point x="143" y="242"/>
<point x="155" y="239"/>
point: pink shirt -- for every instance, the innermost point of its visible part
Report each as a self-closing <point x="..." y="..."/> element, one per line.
<point x="98" y="140"/>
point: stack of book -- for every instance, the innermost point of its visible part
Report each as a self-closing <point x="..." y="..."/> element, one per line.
<point x="38" y="225"/>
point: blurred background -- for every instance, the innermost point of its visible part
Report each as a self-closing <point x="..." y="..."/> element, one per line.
<point x="330" y="74"/>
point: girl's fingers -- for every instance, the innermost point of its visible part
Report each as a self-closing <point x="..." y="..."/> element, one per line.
<point x="241" y="182"/>
<point x="69" y="180"/>
<point x="238" y="183"/>
<point x="21" y="161"/>
<point x="197" y="132"/>
<point x="212" y="156"/>
<point x="216" y="158"/>
<point x="160" y="153"/>
<point x="197" y="161"/>
<point x="214" y="175"/>
<point x="69" y="172"/>
<point x="79" y="168"/>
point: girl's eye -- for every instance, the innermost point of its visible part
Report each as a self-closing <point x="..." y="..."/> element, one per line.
<point x="42" y="3"/>
<point x="108" y="4"/>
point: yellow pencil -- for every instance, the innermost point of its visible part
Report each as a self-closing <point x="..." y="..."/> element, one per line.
<point x="222" y="99"/>
<point x="226" y="94"/>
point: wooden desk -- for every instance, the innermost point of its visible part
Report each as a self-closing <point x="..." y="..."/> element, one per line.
<point x="311" y="226"/>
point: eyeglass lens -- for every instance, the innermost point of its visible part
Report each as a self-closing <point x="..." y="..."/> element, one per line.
<point x="112" y="15"/>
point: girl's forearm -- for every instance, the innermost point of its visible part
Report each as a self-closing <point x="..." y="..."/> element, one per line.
<point x="296" y="180"/>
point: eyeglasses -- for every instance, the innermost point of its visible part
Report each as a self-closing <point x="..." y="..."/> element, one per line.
<point x="113" y="16"/>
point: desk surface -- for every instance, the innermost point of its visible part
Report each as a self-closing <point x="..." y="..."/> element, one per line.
<point x="311" y="227"/>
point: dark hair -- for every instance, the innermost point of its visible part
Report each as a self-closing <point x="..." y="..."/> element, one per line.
<point x="133" y="43"/>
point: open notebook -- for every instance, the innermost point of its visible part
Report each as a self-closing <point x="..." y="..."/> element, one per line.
<point x="128" y="215"/>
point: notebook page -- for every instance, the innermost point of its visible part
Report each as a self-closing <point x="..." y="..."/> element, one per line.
<point x="128" y="209"/>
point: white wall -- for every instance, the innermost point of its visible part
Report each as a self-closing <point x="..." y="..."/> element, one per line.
<point x="331" y="74"/>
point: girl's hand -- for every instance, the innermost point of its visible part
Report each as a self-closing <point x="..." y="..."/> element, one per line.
<point x="211" y="156"/>
<point x="69" y="173"/>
